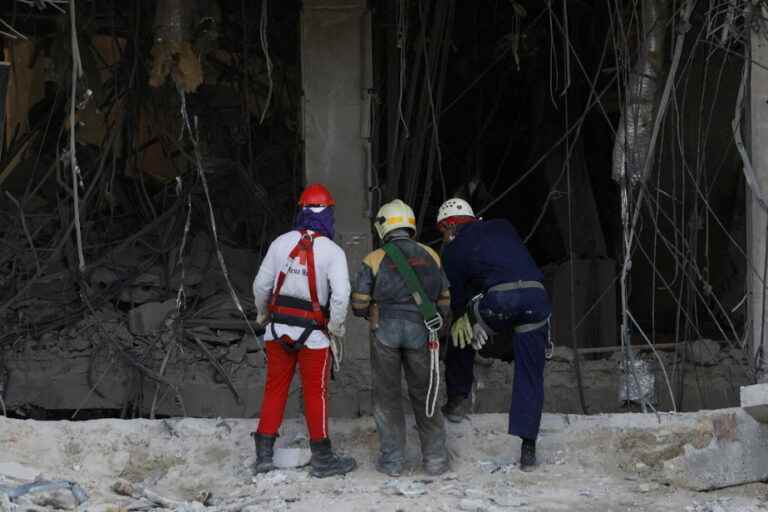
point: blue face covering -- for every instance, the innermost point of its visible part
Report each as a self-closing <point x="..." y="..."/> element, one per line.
<point x="321" y="221"/>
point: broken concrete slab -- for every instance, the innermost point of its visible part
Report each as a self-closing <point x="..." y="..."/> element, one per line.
<point x="736" y="454"/>
<point x="18" y="471"/>
<point x="149" y="318"/>
<point x="754" y="400"/>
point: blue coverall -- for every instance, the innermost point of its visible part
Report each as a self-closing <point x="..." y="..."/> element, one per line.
<point x="485" y="254"/>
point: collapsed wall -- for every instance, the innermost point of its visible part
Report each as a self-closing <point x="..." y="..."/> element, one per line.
<point x="59" y="372"/>
<point x="137" y="353"/>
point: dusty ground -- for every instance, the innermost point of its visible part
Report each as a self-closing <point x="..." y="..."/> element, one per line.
<point x="590" y="463"/>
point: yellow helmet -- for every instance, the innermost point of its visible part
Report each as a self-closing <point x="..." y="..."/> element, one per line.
<point x="394" y="215"/>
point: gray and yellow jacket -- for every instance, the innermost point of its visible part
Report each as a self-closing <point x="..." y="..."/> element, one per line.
<point x="378" y="284"/>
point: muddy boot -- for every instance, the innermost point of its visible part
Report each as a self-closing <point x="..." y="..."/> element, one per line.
<point x="436" y="467"/>
<point x="392" y="469"/>
<point x="264" y="452"/>
<point x="528" y="455"/>
<point x="326" y="463"/>
<point x="456" y="408"/>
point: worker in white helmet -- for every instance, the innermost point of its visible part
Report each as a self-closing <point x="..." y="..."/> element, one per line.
<point x="402" y="290"/>
<point x="496" y="287"/>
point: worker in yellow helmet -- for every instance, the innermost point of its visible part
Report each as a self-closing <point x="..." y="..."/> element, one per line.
<point x="402" y="290"/>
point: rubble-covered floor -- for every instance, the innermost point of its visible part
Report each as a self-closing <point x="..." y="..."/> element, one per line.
<point x="588" y="463"/>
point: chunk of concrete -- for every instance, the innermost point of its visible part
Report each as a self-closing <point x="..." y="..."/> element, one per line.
<point x="736" y="455"/>
<point x="754" y="400"/>
<point x="18" y="471"/>
<point x="149" y="318"/>
<point x="286" y="458"/>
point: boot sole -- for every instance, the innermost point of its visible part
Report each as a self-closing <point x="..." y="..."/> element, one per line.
<point x="438" y="472"/>
<point x="393" y="473"/>
<point x="339" y="471"/>
<point x="262" y="470"/>
<point x="454" y="418"/>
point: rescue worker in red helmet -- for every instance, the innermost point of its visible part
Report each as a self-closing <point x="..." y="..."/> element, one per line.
<point x="302" y="294"/>
<point x="402" y="290"/>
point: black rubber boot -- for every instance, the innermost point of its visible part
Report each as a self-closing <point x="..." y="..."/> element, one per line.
<point x="325" y="463"/>
<point x="456" y="408"/>
<point x="264" y="452"/>
<point x="528" y="455"/>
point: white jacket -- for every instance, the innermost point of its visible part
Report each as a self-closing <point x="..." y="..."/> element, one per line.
<point x="332" y="278"/>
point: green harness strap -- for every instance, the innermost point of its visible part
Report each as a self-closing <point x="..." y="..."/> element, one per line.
<point x="426" y="306"/>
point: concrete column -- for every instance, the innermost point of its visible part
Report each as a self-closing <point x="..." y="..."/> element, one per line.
<point x="756" y="215"/>
<point x="337" y="79"/>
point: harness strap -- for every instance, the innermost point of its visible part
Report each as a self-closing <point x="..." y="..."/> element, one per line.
<point x="515" y="285"/>
<point x="420" y="297"/>
<point x="532" y="327"/>
<point x="304" y="247"/>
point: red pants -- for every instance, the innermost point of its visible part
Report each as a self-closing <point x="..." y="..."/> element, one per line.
<point x="315" y="368"/>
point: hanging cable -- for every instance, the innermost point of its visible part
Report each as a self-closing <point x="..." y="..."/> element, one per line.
<point x="402" y="45"/>
<point x="263" y="23"/>
<point x="77" y="181"/>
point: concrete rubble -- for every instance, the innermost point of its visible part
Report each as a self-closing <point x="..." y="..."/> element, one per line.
<point x="628" y="462"/>
<point x="754" y="400"/>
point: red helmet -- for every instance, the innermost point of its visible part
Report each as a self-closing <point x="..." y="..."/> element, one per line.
<point x="316" y="195"/>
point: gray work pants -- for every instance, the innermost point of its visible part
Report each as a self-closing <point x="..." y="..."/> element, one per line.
<point x="387" y="359"/>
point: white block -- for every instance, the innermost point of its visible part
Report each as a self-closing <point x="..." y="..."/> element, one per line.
<point x="754" y="400"/>
<point x="285" y="458"/>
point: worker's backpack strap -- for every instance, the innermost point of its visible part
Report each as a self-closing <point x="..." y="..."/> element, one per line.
<point x="294" y="311"/>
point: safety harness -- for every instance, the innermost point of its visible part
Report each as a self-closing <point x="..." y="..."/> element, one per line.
<point x="292" y="310"/>
<point x="432" y="319"/>
<point x="473" y="308"/>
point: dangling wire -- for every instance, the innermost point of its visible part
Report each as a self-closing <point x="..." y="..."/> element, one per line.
<point x="263" y="23"/>
<point x="402" y="44"/>
<point x="77" y="181"/>
<point x="181" y="295"/>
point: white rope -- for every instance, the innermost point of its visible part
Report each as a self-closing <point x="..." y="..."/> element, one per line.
<point x="434" y="373"/>
<point x="337" y="349"/>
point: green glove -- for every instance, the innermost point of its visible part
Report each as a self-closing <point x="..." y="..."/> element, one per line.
<point x="461" y="332"/>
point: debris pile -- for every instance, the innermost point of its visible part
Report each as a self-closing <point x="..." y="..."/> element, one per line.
<point x="204" y="465"/>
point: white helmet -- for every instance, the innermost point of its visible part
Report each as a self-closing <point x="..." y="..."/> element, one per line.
<point x="394" y="215"/>
<point x="454" y="207"/>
